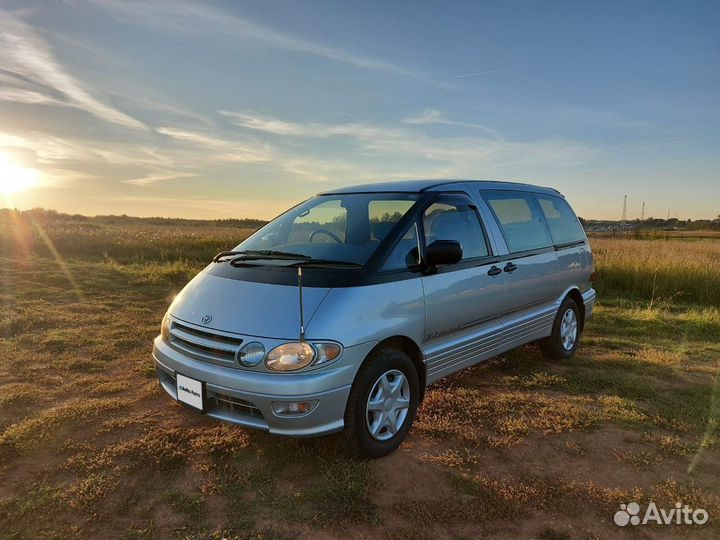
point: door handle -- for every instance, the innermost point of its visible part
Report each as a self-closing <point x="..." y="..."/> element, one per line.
<point x="494" y="271"/>
<point x="510" y="268"/>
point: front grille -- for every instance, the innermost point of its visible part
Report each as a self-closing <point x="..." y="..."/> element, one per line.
<point x="234" y="404"/>
<point x="204" y="344"/>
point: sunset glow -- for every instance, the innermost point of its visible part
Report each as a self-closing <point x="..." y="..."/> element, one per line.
<point x="228" y="109"/>
<point x="15" y="178"/>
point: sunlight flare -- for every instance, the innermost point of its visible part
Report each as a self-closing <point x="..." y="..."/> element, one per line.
<point x="15" y="178"/>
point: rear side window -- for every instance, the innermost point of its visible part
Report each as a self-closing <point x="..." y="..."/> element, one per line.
<point x="520" y="220"/>
<point x="561" y="220"/>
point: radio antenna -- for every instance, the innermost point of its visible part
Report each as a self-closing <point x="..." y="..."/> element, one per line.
<point x="302" y="318"/>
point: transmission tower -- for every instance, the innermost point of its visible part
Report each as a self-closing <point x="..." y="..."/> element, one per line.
<point x="642" y="214"/>
<point x="624" y="214"/>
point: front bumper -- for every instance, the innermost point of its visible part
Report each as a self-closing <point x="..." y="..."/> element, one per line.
<point x="245" y="397"/>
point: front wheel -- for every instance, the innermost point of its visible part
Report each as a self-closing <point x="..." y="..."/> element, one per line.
<point x="563" y="341"/>
<point x="382" y="403"/>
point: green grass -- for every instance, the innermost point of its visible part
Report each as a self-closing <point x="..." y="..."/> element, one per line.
<point x="518" y="446"/>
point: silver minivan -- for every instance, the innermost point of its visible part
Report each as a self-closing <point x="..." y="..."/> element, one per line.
<point x="339" y="313"/>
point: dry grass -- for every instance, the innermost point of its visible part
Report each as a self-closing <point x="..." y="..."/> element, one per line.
<point x="660" y="270"/>
<point x="517" y="447"/>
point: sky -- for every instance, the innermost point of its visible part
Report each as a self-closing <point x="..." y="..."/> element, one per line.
<point x="241" y="109"/>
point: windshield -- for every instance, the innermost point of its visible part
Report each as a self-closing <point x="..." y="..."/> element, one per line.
<point x="344" y="227"/>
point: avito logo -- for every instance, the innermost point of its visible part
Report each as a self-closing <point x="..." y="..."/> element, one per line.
<point x="629" y="514"/>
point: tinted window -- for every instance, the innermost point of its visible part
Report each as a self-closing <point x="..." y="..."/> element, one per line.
<point x="318" y="221"/>
<point x="342" y="227"/>
<point x="448" y="221"/>
<point x="384" y="215"/>
<point x="405" y="253"/>
<point x="561" y="220"/>
<point x="520" y="220"/>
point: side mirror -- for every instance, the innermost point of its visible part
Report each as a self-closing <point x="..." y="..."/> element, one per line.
<point x="443" y="252"/>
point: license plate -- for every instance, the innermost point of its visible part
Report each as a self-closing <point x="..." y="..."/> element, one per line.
<point x="191" y="392"/>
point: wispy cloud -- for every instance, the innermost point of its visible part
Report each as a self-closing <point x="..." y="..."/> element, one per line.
<point x="458" y="153"/>
<point x="268" y="124"/>
<point x="276" y="126"/>
<point x="188" y="17"/>
<point x="479" y="73"/>
<point x="223" y="149"/>
<point x="27" y="96"/>
<point x="160" y="176"/>
<point x="433" y="116"/>
<point x="29" y="60"/>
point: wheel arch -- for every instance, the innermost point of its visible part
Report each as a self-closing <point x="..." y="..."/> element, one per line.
<point x="575" y="294"/>
<point x="409" y="347"/>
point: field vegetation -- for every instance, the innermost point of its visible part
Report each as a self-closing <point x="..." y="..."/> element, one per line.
<point x="519" y="446"/>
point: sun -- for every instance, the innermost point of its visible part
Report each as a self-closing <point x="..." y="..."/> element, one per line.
<point x="14" y="178"/>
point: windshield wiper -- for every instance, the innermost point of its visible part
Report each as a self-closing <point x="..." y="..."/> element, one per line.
<point x="253" y="254"/>
<point x="324" y="262"/>
<point x="262" y="255"/>
<point x="240" y="258"/>
<point x="222" y="254"/>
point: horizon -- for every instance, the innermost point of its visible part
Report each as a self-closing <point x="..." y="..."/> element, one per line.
<point x="240" y="110"/>
<point x="629" y="219"/>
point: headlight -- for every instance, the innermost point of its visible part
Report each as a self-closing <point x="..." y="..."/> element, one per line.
<point x="290" y="356"/>
<point x="293" y="356"/>
<point x="251" y="354"/>
<point x="165" y="328"/>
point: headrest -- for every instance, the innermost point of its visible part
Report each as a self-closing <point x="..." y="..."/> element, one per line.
<point x="447" y="226"/>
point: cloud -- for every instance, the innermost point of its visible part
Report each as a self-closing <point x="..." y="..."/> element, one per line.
<point x="223" y="150"/>
<point x="433" y="116"/>
<point x="188" y="17"/>
<point x="268" y="124"/>
<point x="478" y="73"/>
<point x="387" y="150"/>
<point x="25" y="95"/>
<point x="159" y="176"/>
<point x="28" y="61"/>
<point x="275" y="126"/>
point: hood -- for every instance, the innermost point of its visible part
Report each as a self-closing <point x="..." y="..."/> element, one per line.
<point x="246" y="307"/>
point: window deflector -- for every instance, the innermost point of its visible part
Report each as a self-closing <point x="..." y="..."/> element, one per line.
<point x="461" y="199"/>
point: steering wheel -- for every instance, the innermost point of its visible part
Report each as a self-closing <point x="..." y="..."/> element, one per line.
<point x="325" y="232"/>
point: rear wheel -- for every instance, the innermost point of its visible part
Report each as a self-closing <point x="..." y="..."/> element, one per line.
<point x="563" y="341"/>
<point x="382" y="403"/>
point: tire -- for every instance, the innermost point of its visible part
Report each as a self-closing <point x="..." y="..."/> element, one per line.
<point x="401" y="378"/>
<point x="563" y="342"/>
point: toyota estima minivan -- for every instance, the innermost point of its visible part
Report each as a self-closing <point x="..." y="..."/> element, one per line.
<point x="338" y="313"/>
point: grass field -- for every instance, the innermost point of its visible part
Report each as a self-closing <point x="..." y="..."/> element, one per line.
<point x="517" y="447"/>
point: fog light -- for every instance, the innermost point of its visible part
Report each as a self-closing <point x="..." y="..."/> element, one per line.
<point x="294" y="408"/>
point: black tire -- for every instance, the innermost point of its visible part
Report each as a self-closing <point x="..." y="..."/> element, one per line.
<point x="552" y="346"/>
<point x="357" y="434"/>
